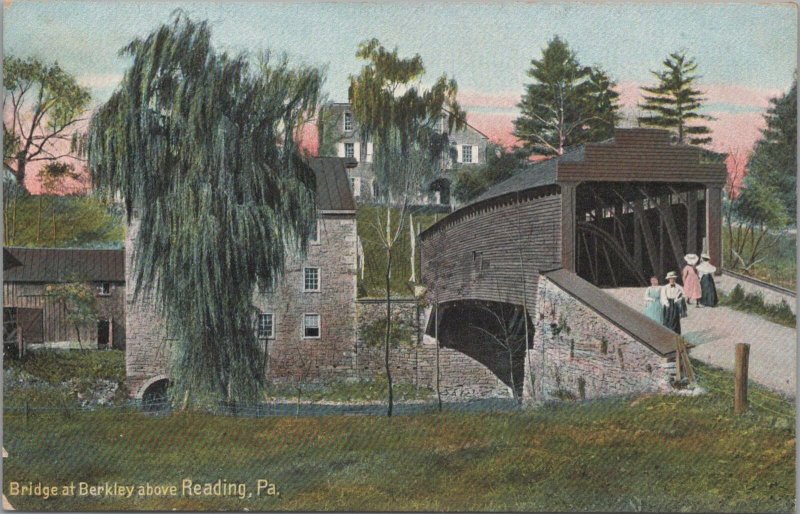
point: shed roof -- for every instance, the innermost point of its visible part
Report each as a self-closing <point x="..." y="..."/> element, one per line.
<point x="333" y="186"/>
<point x="50" y="265"/>
<point x="653" y="335"/>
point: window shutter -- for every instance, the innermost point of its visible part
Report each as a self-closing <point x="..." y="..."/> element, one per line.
<point x="458" y="153"/>
<point x="369" y="152"/>
<point x="475" y="155"/>
<point x="340" y="149"/>
<point x="357" y="151"/>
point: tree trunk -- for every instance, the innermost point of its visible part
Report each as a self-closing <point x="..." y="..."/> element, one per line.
<point x="20" y="172"/>
<point x="388" y="327"/>
<point x="39" y="218"/>
<point x="53" y="209"/>
<point x="438" y="373"/>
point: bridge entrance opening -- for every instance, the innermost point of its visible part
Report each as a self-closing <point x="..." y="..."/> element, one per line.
<point x="627" y="232"/>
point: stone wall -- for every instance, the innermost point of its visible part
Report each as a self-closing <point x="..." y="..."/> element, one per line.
<point x="147" y="348"/>
<point x="329" y="357"/>
<point x="413" y="361"/>
<point x="578" y="354"/>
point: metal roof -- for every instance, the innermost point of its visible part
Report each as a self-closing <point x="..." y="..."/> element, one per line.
<point x="333" y="185"/>
<point x="653" y="335"/>
<point x="50" y="265"/>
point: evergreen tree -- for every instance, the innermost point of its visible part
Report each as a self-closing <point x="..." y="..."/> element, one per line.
<point x="566" y="104"/>
<point x="202" y="146"/>
<point x="674" y="103"/>
<point x="774" y="159"/>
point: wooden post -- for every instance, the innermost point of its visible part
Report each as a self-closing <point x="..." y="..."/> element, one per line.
<point x="691" y="222"/>
<point x="740" y="378"/>
<point x="714" y="226"/>
<point x="568" y="224"/>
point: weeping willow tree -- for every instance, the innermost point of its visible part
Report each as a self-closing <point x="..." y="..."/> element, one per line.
<point x="403" y="121"/>
<point x="202" y="146"/>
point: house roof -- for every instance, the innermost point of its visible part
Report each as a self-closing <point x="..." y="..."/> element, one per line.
<point x="333" y="186"/>
<point x="653" y="335"/>
<point x="50" y="265"/>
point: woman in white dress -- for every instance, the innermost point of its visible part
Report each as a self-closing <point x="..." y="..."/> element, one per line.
<point x="708" y="288"/>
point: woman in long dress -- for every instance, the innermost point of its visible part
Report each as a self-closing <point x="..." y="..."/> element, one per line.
<point x="652" y="301"/>
<point x="691" y="282"/>
<point x="671" y="299"/>
<point x="708" y="288"/>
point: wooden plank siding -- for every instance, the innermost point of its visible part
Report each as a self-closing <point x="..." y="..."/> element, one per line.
<point x="478" y="256"/>
<point x="55" y="325"/>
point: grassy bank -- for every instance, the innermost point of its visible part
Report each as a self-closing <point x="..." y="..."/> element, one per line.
<point x="664" y="453"/>
<point x="62" y="221"/>
<point x="371" y="222"/>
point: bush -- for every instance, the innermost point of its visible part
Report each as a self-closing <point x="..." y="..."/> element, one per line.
<point x="754" y="303"/>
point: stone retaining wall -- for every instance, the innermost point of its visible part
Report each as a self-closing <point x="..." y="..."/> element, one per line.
<point x="578" y="354"/>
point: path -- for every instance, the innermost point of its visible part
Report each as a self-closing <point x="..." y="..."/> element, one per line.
<point x="715" y="332"/>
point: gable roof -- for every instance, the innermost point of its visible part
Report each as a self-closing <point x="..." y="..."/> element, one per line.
<point x="51" y="265"/>
<point x="653" y="335"/>
<point x="333" y="185"/>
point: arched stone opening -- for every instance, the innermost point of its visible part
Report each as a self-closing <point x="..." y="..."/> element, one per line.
<point x="492" y="333"/>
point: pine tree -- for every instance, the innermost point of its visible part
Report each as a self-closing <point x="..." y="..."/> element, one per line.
<point x="566" y="104"/>
<point x="774" y="159"/>
<point x="674" y="103"/>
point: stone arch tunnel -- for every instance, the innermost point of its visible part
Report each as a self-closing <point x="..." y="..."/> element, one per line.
<point x="490" y="332"/>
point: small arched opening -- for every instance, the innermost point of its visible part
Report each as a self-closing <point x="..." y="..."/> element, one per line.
<point x="155" y="396"/>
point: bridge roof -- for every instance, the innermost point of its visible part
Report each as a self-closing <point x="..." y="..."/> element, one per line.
<point x="543" y="173"/>
<point x="653" y="335"/>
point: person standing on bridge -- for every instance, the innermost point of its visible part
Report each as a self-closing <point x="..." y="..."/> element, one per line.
<point x="691" y="282"/>
<point x="708" y="288"/>
<point x="672" y="303"/>
<point x="652" y="301"/>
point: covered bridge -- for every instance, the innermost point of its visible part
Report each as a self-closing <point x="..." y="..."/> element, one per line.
<point x="612" y="214"/>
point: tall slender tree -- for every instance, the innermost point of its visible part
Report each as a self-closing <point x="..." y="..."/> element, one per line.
<point x="201" y="145"/>
<point x="399" y="116"/>
<point x="566" y="104"/>
<point x="674" y="103"/>
<point x="43" y="105"/>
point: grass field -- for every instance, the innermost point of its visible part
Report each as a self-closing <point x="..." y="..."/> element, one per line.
<point x="370" y="220"/>
<point x="664" y="453"/>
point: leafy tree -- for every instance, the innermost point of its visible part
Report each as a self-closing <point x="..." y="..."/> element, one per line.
<point x="766" y="202"/>
<point x="774" y="158"/>
<point x="400" y="118"/>
<point x="566" y="104"/>
<point x="78" y="301"/>
<point x="674" y="103"/>
<point x="499" y="166"/>
<point x="42" y="107"/>
<point x="202" y="146"/>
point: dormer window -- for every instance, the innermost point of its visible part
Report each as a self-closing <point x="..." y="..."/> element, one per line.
<point x="348" y="122"/>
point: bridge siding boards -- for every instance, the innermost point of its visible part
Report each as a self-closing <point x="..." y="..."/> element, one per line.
<point x="497" y="235"/>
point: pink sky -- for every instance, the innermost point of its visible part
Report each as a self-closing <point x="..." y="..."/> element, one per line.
<point x="738" y="111"/>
